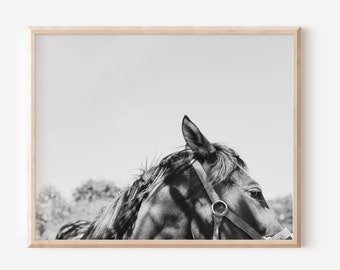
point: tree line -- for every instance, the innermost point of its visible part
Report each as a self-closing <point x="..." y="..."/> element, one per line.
<point x="53" y="210"/>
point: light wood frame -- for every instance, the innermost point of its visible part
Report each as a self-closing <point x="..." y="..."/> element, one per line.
<point x="293" y="31"/>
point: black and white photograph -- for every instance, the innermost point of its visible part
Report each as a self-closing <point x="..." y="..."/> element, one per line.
<point x="165" y="135"/>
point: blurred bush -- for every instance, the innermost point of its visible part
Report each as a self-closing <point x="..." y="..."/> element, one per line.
<point x="283" y="208"/>
<point x="93" y="190"/>
<point x="53" y="210"/>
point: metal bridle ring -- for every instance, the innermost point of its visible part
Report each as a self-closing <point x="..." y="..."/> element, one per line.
<point x="219" y="208"/>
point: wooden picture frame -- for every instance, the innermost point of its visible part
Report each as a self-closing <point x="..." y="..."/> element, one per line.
<point x="294" y="32"/>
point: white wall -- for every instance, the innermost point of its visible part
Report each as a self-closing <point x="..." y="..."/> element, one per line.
<point x="321" y="42"/>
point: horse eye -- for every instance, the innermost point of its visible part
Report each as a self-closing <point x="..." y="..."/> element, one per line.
<point x="255" y="194"/>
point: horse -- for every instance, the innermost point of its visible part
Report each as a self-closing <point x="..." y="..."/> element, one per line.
<point x="203" y="191"/>
<point x="73" y="230"/>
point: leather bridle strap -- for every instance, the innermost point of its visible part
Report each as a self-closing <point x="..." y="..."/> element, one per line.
<point x="217" y="204"/>
<point x="203" y="178"/>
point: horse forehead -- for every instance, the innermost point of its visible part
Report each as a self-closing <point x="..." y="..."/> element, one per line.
<point x="244" y="179"/>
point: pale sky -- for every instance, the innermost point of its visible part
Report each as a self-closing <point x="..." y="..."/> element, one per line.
<point x="108" y="103"/>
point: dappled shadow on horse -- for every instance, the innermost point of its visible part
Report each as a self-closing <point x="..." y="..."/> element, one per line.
<point x="200" y="192"/>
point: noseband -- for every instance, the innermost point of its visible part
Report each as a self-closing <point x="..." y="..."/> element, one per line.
<point x="220" y="209"/>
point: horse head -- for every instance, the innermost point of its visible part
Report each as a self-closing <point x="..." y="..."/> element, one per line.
<point x="206" y="193"/>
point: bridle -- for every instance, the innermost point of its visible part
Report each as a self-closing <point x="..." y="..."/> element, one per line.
<point x="220" y="209"/>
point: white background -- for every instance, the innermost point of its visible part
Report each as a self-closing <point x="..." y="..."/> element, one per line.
<point x="320" y="150"/>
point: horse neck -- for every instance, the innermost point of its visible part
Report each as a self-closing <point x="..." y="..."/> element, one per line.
<point x="166" y="213"/>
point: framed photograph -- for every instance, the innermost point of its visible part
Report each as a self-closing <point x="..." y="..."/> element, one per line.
<point x="164" y="137"/>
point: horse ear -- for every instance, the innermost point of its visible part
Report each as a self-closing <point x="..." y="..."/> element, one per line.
<point x="196" y="141"/>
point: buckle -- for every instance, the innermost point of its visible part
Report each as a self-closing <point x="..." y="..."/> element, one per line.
<point x="219" y="208"/>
